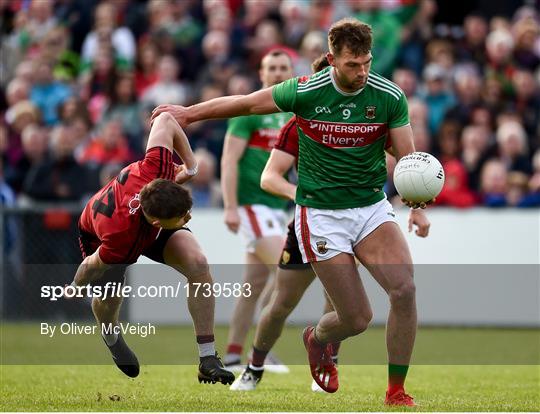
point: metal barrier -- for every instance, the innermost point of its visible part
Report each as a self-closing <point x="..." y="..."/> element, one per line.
<point x="39" y="246"/>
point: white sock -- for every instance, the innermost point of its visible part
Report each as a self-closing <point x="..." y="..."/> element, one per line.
<point x="254" y="368"/>
<point x="207" y="349"/>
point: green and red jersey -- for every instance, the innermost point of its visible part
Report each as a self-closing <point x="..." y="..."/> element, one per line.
<point x="261" y="133"/>
<point x="342" y="137"/>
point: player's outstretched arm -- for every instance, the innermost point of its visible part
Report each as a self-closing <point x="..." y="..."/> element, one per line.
<point x="166" y="132"/>
<point x="272" y="178"/>
<point x="90" y="269"/>
<point x="259" y="102"/>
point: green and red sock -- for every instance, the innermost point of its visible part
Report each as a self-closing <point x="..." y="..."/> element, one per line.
<point x="396" y="377"/>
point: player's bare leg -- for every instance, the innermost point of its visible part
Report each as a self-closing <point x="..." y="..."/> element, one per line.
<point x="267" y="253"/>
<point x="386" y="255"/>
<point x="352" y="314"/>
<point x="341" y="280"/>
<point x="289" y="287"/>
<point x="183" y="253"/>
<point x="106" y="313"/>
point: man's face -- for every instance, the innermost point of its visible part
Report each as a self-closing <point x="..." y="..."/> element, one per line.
<point x="174" y="223"/>
<point x="351" y="71"/>
<point x="275" y="69"/>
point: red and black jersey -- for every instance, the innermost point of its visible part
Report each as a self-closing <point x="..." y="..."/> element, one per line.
<point x="288" y="139"/>
<point x="113" y="219"/>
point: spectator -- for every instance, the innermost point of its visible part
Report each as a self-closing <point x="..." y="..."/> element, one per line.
<point x="123" y="105"/>
<point x="58" y="177"/>
<point x="526" y="33"/>
<point x="55" y="49"/>
<point x="105" y="28"/>
<point x="35" y="142"/>
<point x="109" y="146"/>
<point x="313" y="45"/>
<point x="205" y="188"/>
<point x="474" y="142"/>
<point x="168" y="89"/>
<point x="47" y="93"/>
<point x="406" y="79"/>
<point x="17" y="90"/>
<point x="527" y="103"/>
<point x="472" y="47"/>
<point x="500" y="65"/>
<point x="493" y="183"/>
<point x="512" y="147"/>
<point x="18" y="117"/>
<point x="468" y="87"/>
<point x="438" y="97"/>
<point x="41" y="19"/>
<point x="146" y="73"/>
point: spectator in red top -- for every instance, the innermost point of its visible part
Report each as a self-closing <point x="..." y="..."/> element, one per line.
<point x="109" y="146"/>
<point x="146" y="73"/>
<point x="456" y="191"/>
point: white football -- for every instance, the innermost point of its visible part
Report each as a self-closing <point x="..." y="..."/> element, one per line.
<point x="419" y="177"/>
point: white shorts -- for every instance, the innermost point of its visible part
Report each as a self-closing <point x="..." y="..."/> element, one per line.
<point x="323" y="234"/>
<point x="258" y="221"/>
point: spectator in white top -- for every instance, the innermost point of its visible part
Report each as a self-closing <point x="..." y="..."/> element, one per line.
<point x="167" y="89"/>
<point x="105" y="26"/>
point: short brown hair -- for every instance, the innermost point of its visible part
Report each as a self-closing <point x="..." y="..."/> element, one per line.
<point x="320" y="63"/>
<point x="164" y="199"/>
<point x="275" y="53"/>
<point x="352" y="34"/>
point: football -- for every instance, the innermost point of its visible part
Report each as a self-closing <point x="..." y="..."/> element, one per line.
<point x="419" y="177"/>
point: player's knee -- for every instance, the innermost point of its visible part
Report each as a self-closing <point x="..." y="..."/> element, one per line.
<point x="404" y="293"/>
<point x="280" y="310"/>
<point x="360" y="323"/>
<point x="198" y="265"/>
<point x="165" y="116"/>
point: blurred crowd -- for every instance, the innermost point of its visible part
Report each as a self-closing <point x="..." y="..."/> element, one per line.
<point x="79" y="79"/>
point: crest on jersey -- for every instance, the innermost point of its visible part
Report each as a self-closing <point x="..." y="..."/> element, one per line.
<point x="321" y="247"/>
<point x="370" y="111"/>
<point x="134" y="204"/>
<point x="285" y="257"/>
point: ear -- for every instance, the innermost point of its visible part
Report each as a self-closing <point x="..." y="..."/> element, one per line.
<point x="331" y="59"/>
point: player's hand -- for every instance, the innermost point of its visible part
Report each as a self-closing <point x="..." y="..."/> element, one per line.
<point x="179" y="112"/>
<point x="180" y="174"/>
<point x="418" y="218"/>
<point x="415" y="205"/>
<point x="232" y="219"/>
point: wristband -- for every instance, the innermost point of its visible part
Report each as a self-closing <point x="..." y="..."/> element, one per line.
<point x="193" y="171"/>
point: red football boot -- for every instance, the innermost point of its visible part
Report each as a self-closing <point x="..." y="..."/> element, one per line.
<point x="323" y="370"/>
<point x="399" y="398"/>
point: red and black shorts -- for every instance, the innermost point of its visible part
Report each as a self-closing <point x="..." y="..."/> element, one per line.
<point x="117" y="273"/>
<point x="291" y="258"/>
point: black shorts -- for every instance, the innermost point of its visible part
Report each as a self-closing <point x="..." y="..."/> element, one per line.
<point x="117" y="273"/>
<point x="291" y="258"/>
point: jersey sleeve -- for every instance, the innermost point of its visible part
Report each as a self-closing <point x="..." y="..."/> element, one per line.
<point x="157" y="163"/>
<point x="288" y="138"/>
<point x="240" y="127"/>
<point x="284" y="95"/>
<point x="399" y="112"/>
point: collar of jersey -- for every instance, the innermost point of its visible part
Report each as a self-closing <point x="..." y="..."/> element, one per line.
<point x="336" y="87"/>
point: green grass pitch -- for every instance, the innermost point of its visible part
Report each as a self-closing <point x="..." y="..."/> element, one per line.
<point x="174" y="387"/>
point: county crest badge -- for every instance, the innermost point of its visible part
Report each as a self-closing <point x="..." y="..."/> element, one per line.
<point x="370" y="111"/>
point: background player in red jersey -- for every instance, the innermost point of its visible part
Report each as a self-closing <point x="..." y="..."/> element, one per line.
<point x="143" y="211"/>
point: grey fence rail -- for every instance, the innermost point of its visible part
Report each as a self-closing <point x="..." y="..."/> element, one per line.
<point x="39" y="247"/>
